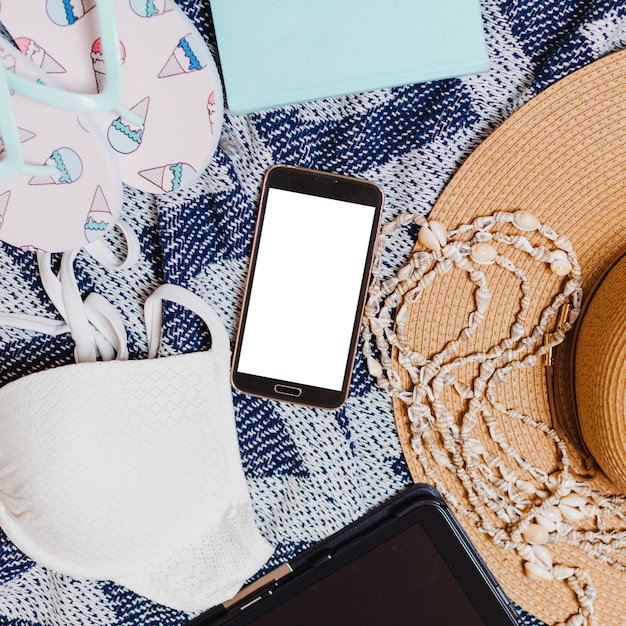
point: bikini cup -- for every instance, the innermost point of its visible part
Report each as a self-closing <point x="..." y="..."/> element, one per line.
<point x="129" y="470"/>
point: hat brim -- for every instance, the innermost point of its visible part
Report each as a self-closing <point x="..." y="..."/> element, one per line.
<point x="562" y="157"/>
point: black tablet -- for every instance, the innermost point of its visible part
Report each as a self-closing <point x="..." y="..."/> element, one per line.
<point x="406" y="562"/>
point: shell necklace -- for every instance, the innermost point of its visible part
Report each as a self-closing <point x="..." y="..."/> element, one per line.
<point x="518" y="505"/>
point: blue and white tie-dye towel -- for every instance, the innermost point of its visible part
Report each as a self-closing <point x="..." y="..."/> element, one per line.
<point x="309" y="472"/>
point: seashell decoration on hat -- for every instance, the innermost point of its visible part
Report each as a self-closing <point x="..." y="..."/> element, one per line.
<point x="502" y="343"/>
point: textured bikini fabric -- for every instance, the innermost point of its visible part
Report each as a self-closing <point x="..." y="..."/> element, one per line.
<point x="142" y="485"/>
<point x="309" y="472"/>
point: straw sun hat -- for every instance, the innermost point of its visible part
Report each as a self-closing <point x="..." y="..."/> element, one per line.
<point x="503" y="344"/>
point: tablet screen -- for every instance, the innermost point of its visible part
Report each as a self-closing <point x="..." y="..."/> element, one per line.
<point x="409" y="562"/>
<point x="403" y="581"/>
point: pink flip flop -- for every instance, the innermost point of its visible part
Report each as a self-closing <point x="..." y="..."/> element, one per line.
<point x="169" y="80"/>
<point x="59" y="185"/>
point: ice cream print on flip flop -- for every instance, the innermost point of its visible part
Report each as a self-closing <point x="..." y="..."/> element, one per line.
<point x="39" y="56"/>
<point x="170" y="104"/>
<point x="68" y="168"/>
<point x="24" y="135"/>
<point x="56" y="170"/>
<point x="100" y="218"/>
<point x="66" y="12"/>
<point x="125" y="137"/>
<point x="190" y="55"/>
<point x="170" y="177"/>
<point x="149" y="8"/>
<point x="4" y="202"/>
<point x="99" y="66"/>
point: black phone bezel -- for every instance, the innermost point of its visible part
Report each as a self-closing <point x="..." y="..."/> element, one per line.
<point x="416" y="503"/>
<point x="327" y="185"/>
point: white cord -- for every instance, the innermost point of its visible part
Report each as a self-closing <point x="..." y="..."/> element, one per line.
<point x="96" y="326"/>
<point x="153" y="311"/>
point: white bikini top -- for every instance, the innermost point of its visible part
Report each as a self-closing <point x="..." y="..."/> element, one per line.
<point x="128" y="470"/>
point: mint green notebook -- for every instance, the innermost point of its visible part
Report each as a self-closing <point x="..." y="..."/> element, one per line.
<point x="278" y="52"/>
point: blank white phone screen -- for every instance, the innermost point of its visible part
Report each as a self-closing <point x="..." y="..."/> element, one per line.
<point x="305" y="290"/>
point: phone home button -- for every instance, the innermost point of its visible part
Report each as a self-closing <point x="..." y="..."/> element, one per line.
<point x="286" y="390"/>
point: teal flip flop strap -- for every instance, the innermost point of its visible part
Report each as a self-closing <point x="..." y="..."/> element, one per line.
<point x="109" y="98"/>
<point x="13" y="161"/>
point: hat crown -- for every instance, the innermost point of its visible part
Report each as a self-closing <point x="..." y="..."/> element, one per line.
<point x="600" y="375"/>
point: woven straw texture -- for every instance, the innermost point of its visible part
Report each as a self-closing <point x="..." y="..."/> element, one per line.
<point x="310" y="472"/>
<point x="600" y="375"/>
<point x="561" y="157"/>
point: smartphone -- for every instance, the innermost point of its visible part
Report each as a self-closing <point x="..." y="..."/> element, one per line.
<point x="309" y="271"/>
<point x="408" y="561"/>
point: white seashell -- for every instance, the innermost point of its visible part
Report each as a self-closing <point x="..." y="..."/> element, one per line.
<point x="439" y="231"/>
<point x="561" y="572"/>
<point x="573" y="500"/>
<point x="475" y="446"/>
<point x="553" y="514"/>
<point x="482" y="236"/>
<point x="441" y="458"/>
<point x="475" y="319"/>
<point x="377" y="326"/>
<point x="372" y="307"/>
<point x="484" y="222"/>
<point x="570" y="287"/>
<point x="526" y="552"/>
<point x="421" y="259"/>
<point x="537" y="572"/>
<point x="561" y="267"/>
<point x="535" y="533"/>
<point x="508" y="474"/>
<point x="514" y="513"/>
<point x="374" y="367"/>
<point x="577" y="298"/>
<point x="483" y="253"/>
<point x="525" y="486"/>
<point x="552" y="482"/>
<point x="405" y="272"/>
<point x="445" y="266"/>
<point x="549" y="525"/>
<point x="521" y="243"/>
<point x="402" y="316"/>
<point x="428" y="239"/>
<point x="451" y="252"/>
<point x="391" y="300"/>
<point x="482" y="298"/>
<point x="544" y="555"/>
<point x="507" y="264"/>
<point x="503" y="216"/>
<point x="571" y="514"/>
<point x="389" y="228"/>
<point x="517" y="331"/>
<point x="418" y="412"/>
<point x="525" y="220"/>
<point x="464" y="249"/>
